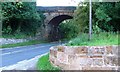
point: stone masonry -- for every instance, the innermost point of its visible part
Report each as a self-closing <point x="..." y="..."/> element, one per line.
<point x="85" y="57"/>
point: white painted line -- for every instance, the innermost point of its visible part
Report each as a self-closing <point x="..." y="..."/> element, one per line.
<point x="17" y="51"/>
<point x="21" y="47"/>
<point x="11" y="52"/>
<point x="21" y="50"/>
<point x="17" y="47"/>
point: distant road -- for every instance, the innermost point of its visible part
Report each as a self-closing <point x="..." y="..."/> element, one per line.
<point x="11" y="56"/>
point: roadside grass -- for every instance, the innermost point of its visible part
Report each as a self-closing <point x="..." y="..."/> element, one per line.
<point x="45" y="65"/>
<point x="31" y="42"/>
<point x="100" y="39"/>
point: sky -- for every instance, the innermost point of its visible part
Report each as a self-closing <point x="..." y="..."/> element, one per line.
<point x="57" y="2"/>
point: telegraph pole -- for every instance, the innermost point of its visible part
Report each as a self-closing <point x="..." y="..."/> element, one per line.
<point x="90" y="19"/>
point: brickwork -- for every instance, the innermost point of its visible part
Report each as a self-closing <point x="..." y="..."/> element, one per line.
<point x="85" y="57"/>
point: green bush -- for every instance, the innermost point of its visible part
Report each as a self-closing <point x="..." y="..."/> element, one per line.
<point x="68" y="30"/>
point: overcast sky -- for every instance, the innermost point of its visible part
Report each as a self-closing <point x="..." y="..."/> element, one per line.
<point x="57" y="2"/>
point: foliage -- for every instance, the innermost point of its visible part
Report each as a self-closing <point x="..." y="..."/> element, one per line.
<point x="81" y="17"/>
<point x="68" y="30"/>
<point x="103" y="38"/>
<point x="107" y="15"/>
<point x="44" y="64"/>
<point x="20" y="17"/>
<point x="79" y="23"/>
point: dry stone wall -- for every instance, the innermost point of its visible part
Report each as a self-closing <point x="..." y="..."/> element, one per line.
<point x="85" y="57"/>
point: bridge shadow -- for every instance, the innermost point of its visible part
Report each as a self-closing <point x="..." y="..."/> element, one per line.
<point x="54" y="33"/>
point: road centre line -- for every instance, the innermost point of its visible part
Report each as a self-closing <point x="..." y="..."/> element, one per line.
<point x="19" y="47"/>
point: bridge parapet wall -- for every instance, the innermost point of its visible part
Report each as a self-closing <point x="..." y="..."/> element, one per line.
<point x="85" y="57"/>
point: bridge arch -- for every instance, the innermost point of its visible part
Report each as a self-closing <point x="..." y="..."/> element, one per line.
<point x="54" y="34"/>
<point x="58" y="19"/>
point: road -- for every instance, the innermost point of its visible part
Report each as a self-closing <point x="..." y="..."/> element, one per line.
<point x="11" y="56"/>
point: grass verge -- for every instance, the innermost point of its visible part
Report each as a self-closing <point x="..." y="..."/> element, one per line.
<point x="32" y="42"/>
<point x="44" y="64"/>
<point x="97" y="39"/>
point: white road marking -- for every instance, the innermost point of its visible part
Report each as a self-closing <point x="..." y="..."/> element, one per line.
<point x="21" y="47"/>
<point x="16" y="47"/>
<point x="22" y="50"/>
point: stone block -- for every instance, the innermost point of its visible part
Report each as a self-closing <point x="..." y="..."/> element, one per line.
<point x="66" y="67"/>
<point x="81" y="50"/>
<point x="62" y="57"/>
<point x="52" y="60"/>
<point x="111" y="60"/>
<point x="109" y="50"/>
<point x="115" y="50"/>
<point x="51" y="52"/>
<point x="118" y="61"/>
<point x="75" y="67"/>
<point x="56" y="62"/>
<point x="61" y="48"/>
<point x="85" y="61"/>
<point x="51" y="57"/>
<point x="62" y="65"/>
<point x="98" y="62"/>
<point x="70" y="50"/>
<point x="71" y="59"/>
<point x="96" y="50"/>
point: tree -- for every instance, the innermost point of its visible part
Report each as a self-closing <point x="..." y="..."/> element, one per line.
<point x="105" y="17"/>
<point x="81" y="17"/>
<point x="108" y="17"/>
<point x="21" y="17"/>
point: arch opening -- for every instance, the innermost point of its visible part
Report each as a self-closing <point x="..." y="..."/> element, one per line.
<point x="54" y="34"/>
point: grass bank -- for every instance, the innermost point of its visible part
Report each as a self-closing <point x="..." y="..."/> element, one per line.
<point x="31" y="42"/>
<point x="44" y="64"/>
<point x="97" y="39"/>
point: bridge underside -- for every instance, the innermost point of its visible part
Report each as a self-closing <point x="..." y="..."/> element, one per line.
<point x="57" y="20"/>
<point x="54" y="33"/>
<point x="54" y="16"/>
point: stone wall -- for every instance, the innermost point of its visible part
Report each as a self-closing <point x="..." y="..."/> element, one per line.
<point x="11" y="41"/>
<point x="85" y="57"/>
